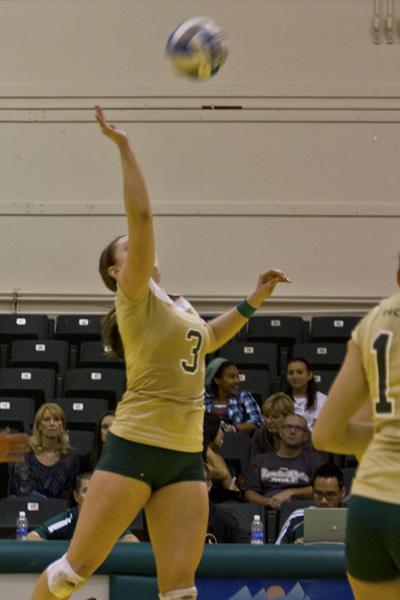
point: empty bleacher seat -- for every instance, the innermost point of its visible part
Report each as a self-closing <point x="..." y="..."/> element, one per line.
<point x="81" y="440"/>
<point x="28" y="383"/>
<point x="37" y="510"/>
<point x="77" y="328"/>
<point x="257" y="382"/>
<point x="283" y="330"/>
<point x="324" y="379"/>
<point x="17" y="413"/>
<point x="96" y="354"/>
<point x="332" y="329"/>
<point x="96" y="383"/>
<point x="23" y="327"/>
<point x="252" y="354"/>
<point x="321" y="355"/>
<point x="50" y="354"/>
<point x="82" y="413"/>
<point x="236" y="451"/>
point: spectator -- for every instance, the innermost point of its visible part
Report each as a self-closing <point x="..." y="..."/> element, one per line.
<point x="328" y="492"/>
<point x="237" y="408"/>
<point x="301" y="386"/>
<point x="275" y="408"/>
<point x="89" y="461"/>
<point x="223" y="527"/>
<point x="279" y="476"/>
<point x="213" y="437"/>
<point x="50" y="468"/>
<point x="62" y="526"/>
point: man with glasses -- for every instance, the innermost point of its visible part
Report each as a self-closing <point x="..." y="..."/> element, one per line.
<point x="328" y="492"/>
<point x="287" y="473"/>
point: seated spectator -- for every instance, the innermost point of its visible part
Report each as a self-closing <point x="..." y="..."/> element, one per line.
<point x="223" y="527"/>
<point x="328" y="492"/>
<point x="89" y="461"/>
<point x="213" y="438"/>
<point x="52" y="465"/>
<point x="284" y="474"/>
<point x="275" y="408"/>
<point x="62" y="526"/>
<point x="301" y="386"/>
<point x="237" y="408"/>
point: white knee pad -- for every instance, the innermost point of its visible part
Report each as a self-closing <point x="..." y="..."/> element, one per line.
<point x="62" y="579"/>
<point x="186" y="594"/>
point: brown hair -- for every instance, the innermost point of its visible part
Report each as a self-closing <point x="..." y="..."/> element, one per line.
<point x="107" y="259"/>
<point x="109" y="325"/>
<point x="36" y="439"/>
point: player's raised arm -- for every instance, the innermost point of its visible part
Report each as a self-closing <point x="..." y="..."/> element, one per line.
<point x="137" y="269"/>
<point x="226" y="326"/>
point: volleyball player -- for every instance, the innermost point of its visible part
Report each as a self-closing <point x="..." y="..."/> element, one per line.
<point x="152" y="455"/>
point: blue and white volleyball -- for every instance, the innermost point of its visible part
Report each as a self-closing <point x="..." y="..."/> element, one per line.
<point x="197" y="48"/>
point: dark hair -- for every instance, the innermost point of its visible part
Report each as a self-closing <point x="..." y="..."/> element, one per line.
<point x="97" y="446"/>
<point x="107" y="259"/>
<point x="110" y="333"/>
<point x="219" y="373"/>
<point x="328" y="470"/>
<point x="211" y="425"/>
<point x="312" y="387"/>
<point x="80" y="477"/>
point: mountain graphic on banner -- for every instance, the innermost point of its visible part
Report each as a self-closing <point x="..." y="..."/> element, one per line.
<point x="272" y="593"/>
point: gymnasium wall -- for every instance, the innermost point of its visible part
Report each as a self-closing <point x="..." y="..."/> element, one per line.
<point x="295" y="164"/>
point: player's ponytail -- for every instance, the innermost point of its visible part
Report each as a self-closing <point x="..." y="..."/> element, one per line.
<point x="110" y="334"/>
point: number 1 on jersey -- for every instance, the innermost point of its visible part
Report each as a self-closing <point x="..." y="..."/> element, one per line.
<point x="381" y="346"/>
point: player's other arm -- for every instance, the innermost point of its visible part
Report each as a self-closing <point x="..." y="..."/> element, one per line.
<point x="224" y="327"/>
<point x="136" y="271"/>
<point x="338" y="428"/>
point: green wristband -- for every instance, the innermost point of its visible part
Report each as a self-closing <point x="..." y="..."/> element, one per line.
<point x="245" y="309"/>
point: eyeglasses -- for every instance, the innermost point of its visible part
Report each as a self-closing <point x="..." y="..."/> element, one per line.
<point x="296" y="428"/>
<point x="326" y="495"/>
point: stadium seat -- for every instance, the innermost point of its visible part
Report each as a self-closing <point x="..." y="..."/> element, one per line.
<point x="332" y="329"/>
<point x="96" y="354"/>
<point x="96" y="383"/>
<point x="236" y="451"/>
<point x="37" y="510"/>
<point x="321" y="355"/>
<point x="33" y="383"/>
<point x="21" y="327"/>
<point x="324" y="379"/>
<point x="257" y="382"/>
<point x="48" y="354"/>
<point x="81" y="440"/>
<point x="82" y="413"/>
<point x="78" y="328"/>
<point x="17" y="413"/>
<point x="252" y="354"/>
<point x="282" y="330"/>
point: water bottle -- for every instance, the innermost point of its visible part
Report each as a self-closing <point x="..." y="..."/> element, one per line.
<point x="257" y="531"/>
<point x="21" y="529"/>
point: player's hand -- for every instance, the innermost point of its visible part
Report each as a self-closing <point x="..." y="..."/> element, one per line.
<point x="265" y="286"/>
<point x="13" y="446"/>
<point x="109" y="129"/>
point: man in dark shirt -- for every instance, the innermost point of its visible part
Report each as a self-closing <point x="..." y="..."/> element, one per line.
<point x="280" y="476"/>
<point x="62" y="526"/>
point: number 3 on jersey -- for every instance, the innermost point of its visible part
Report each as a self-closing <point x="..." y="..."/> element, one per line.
<point x="381" y="346"/>
<point x="197" y="340"/>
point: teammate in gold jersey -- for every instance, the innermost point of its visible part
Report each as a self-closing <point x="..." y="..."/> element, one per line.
<point x="152" y="455"/>
<point x="369" y="381"/>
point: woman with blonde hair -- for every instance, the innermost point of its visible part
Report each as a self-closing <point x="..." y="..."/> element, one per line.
<point x="275" y="408"/>
<point x="51" y="466"/>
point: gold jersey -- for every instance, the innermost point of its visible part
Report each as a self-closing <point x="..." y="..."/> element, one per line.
<point x="165" y="343"/>
<point x="378" y="338"/>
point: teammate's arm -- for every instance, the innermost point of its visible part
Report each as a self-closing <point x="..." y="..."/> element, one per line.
<point x="338" y="427"/>
<point x="136" y="271"/>
<point x="224" y="327"/>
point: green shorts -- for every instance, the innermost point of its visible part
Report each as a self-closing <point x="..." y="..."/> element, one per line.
<point x="156" y="466"/>
<point x="373" y="539"/>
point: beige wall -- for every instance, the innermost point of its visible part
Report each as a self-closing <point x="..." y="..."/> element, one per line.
<point x="304" y="176"/>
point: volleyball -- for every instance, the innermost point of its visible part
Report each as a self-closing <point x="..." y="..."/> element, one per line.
<point x="197" y="48"/>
